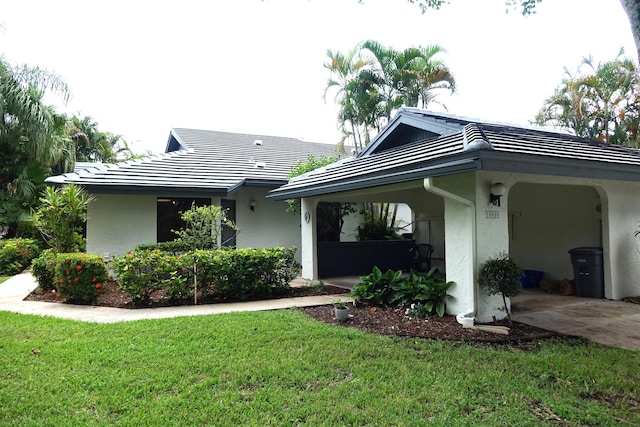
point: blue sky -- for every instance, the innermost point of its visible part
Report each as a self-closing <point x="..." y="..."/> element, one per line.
<point x="252" y="66"/>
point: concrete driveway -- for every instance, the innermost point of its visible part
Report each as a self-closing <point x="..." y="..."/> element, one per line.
<point x="604" y="321"/>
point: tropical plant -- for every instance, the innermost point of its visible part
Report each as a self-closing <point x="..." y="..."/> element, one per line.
<point x="33" y="141"/>
<point x="202" y="226"/>
<point x="501" y="275"/>
<point x="601" y="103"/>
<point x="376" y="287"/>
<point x="373" y="81"/>
<point x="61" y="217"/>
<point x="93" y="145"/>
<point x="427" y="290"/>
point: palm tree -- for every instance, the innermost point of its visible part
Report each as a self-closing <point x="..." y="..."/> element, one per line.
<point x="602" y="103"/>
<point x="409" y="77"/>
<point x="31" y="140"/>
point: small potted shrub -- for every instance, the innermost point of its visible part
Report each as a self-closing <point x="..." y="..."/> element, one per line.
<point x="501" y="275"/>
<point x="341" y="310"/>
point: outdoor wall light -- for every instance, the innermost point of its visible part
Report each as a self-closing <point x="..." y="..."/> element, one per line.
<point x="252" y="206"/>
<point x="497" y="191"/>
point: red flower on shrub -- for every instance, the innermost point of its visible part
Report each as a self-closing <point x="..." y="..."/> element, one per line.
<point x="98" y="285"/>
<point x="93" y="280"/>
<point x="79" y="267"/>
<point x="76" y="279"/>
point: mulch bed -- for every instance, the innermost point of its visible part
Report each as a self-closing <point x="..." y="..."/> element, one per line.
<point x="392" y="321"/>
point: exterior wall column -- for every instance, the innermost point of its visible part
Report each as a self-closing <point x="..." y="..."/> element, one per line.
<point x="621" y="245"/>
<point x="492" y="239"/>
<point x="309" y="238"/>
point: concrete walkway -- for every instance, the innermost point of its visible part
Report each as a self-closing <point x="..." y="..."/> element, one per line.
<point x="615" y="323"/>
<point x="14" y="290"/>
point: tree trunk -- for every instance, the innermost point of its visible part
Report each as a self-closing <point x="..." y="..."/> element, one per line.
<point x="632" y="8"/>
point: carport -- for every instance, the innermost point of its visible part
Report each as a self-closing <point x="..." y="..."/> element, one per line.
<point x="532" y="193"/>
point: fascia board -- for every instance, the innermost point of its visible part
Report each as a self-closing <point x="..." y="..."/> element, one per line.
<point x="543" y="165"/>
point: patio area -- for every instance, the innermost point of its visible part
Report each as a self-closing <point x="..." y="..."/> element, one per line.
<point x="604" y="321"/>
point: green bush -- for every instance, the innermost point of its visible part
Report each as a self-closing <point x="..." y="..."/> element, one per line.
<point x="43" y="269"/>
<point x="501" y="275"/>
<point x="237" y="274"/>
<point x="174" y="247"/>
<point x="142" y="272"/>
<point x="426" y="292"/>
<point x="248" y="273"/>
<point x="80" y="277"/>
<point x="17" y="254"/>
<point x="375" y="288"/>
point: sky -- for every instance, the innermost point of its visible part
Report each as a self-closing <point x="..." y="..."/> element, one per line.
<point x="141" y="68"/>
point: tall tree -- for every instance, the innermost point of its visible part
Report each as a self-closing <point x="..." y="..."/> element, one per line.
<point x="93" y="145"/>
<point x="32" y="140"/>
<point x="374" y="80"/>
<point x="601" y="103"/>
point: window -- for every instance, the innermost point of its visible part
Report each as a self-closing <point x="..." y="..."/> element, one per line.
<point x="169" y="212"/>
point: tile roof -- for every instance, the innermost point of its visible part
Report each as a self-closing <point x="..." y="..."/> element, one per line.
<point x="465" y="145"/>
<point x="200" y="162"/>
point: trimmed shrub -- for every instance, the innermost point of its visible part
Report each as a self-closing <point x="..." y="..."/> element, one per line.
<point x="142" y="272"/>
<point x="43" y="269"/>
<point x="248" y="273"/>
<point x="174" y="247"/>
<point x="501" y="275"/>
<point x="80" y="277"/>
<point x="17" y="254"/>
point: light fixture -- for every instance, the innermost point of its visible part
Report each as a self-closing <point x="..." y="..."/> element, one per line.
<point x="497" y="191"/>
<point x="252" y="206"/>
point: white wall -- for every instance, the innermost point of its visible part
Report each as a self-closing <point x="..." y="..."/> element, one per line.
<point x="118" y="223"/>
<point x="269" y="225"/>
<point x="546" y="221"/>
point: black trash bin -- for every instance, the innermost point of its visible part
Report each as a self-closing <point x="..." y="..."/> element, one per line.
<point x="588" y="272"/>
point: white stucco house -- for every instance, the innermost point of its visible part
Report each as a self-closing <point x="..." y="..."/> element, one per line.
<point x="553" y="192"/>
<point x="139" y="201"/>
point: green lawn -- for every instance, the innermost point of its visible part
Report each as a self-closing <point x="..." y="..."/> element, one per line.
<point x="3" y="278"/>
<point x="283" y="368"/>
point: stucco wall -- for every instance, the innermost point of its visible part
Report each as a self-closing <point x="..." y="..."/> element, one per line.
<point x="546" y="221"/>
<point x="269" y="225"/>
<point x="118" y="223"/>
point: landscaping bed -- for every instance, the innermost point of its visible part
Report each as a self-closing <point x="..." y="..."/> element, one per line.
<point x="393" y="321"/>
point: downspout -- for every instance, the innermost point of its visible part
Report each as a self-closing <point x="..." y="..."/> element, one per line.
<point x="465" y="319"/>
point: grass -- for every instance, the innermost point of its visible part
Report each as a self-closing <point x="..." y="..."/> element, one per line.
<point x="3" y="278"/>
<point x="283" y="368"/>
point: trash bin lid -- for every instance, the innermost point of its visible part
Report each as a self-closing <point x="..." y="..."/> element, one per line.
<point x="586" y="250"/>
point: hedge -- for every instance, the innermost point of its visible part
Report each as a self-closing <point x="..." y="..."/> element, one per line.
<point x="17" y="254"/>
<point x="239" y="274"/>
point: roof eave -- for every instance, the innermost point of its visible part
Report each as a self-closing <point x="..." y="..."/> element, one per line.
<point x="392" y="177"/>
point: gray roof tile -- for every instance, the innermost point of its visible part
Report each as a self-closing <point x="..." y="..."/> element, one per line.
<point x="489" y="146"/>
<point x="200" y="162"/>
